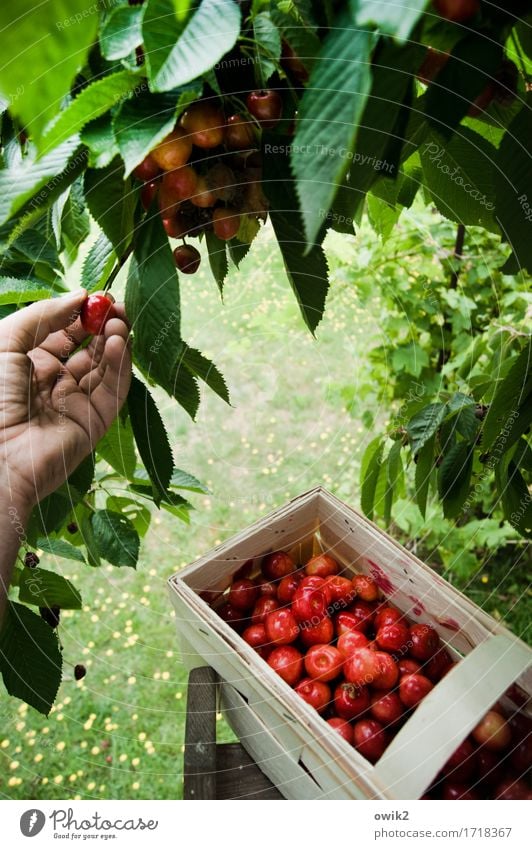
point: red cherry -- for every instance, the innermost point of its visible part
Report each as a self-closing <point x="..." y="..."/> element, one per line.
<point x="458" y="11"/>
<point x="239" y="134"/>
<point x="291" y="62"/>
<point x="187" y="258"/>
<point x="393" y="637"/>
<point x="148" y="194"/>
<point x="341" y="589"/>
<point x="364" y="613"/>
<point x="489" y="767"/>
<point x="315" y="693"/>
<point x="431" y="66"/>
<point x="205" y="124"/>
<point x="370" y="739"/>
<point x="323" y="662"/>
<point x="346" y="622"/>
<point x="351" y="701"/>
<point x="407" y="666"/>
<point x="322" y="565"/>
<point x="175" y="226"/>
<point x="316" y="583"/>
<point x="243" y="594"/>
<point x="342" y="727"/>
<point x="414" y="688"/>
<point x="453" y="791"/>
<point x="203" y="196"/>
<point x="181" y="183"/>
<point x="168" y="201"/>
<point x="366" y="588"/>
<point x="492" y="731"/>
<point x="323" y="632"/>
<point x="95" y="313"/>
<point x="281" y="627"/>
<point x="266" y="107"/>
<point x="522" y="755"/>
<point x="275" y="566"/>
<point x="266" y="588"/>
<point x="255" y="635"/>
<point x="174" y="151"/>
<point x="386" y="707"/>
<point x="388" y="671"/>
<point x="309" y="606"/>
<point x="424" y="641"/>
<point x="287" y="661"/>
<point x="438" y="665"/>
<point x="226" y="223"/>
<point x="387" y="615"/>
<point x="264" y="605"/>
<point x="461" y="765"/>
<point x="147" y="170"/>
<point x="362" y="667"/>
<point x="514" y="789"/>
<point x="350" y="641"/>
<point x="232" y="616"/>
<point x="287" y="588"/>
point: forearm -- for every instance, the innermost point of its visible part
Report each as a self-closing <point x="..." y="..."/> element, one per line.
<point x="13" y="518"/>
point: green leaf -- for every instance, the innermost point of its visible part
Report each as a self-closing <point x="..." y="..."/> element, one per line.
<point x="185" y="390"/>
<point x="14" y="291"/>
<point x="217" y="258"/>
<point x="268" y="41"/>
<point x="329" y="114"/>
<point x="510" y="407"/>
<point x="394" y="469"/>
<point x="201" y="367"/>
<point x="153" y="304"/>
<point x="60" y="548"/>
<point x="111" y="202"/>
<point x="459" y="177"/>
<point x="424" y="468"/>
<point x="144" y="121"/>
<point x="43" y="588"/>
<point x="116" y="538"/>
<point x="513" y="186"/>
<point x="75" y="222"/>
<point x="23" y="179"/>
<point x="177" y="55"/>
<point x="307" y="272"/>
<point x="100" y="140"/>
<point x="369" y="474"/>
<point x="424" y="425"/>
<point x="44" y="45"/>
<point x="98" y="263"/>
<point x="411" y="358"/>
<point x="30" y="658"/>
<point x="139" y="515"/>
<point x="93" y="101"/>
<point x="455" y="478"/>
<point x="515" y="497"/>
<point x="397" y="19"/>
<point x="121" y="31"/>
<point x="150" y="437"/>
<point x="184" y="480"/>
<point x="238" y="250"/>
<point x="383" y="218"/>
<point x="117" y="448"/>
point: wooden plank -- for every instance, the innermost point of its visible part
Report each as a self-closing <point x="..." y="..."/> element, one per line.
<point x="200" y="735"/>
<point x="238" y="776"/>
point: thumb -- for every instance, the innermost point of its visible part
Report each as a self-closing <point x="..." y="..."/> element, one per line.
<point x="28" y="328"/>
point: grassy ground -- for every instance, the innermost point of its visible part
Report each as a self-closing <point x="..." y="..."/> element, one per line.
<point x="119" y="733"/>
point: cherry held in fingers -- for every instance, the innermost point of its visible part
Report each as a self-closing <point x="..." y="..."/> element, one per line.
<point x="96" y="312"/>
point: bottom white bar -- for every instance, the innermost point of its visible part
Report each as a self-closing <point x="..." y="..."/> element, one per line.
<point x="177" y="823"/>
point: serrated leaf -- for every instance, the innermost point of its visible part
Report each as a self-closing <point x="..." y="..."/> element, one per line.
<point x="30" y="658"/>
<point x="459" y="177"/>
<point x="98" y="263"/>
<point x="515" y="497"/>
<point x="121" y="31"/>
<point x="455" y="477"/>
<point x="60" y="548"/>
<point x="44" y="45"/>
<point x="116" y="538"/>
<point x="397" y="19"/>
<point x="424" y="425"/>
<point x="150" y="437"/>
<point x="111" y="202"/>
<point x="238" y="250"/>
<point x="94" y="100"/>
<point x="100" y="140"/>
<point x="510" y="408"/>
<point x="184" y="480"/>
<point x="75" y="222"/>
<point x="43" y="588"/>
<point x="144" y="121"/>
<point x="369" y="474"/>
<point x="513" y="182"/>
<point x="268" y="40"/>
<point x="383" y="219"/>
<point x="177" y="54"/>
<point x="217" y="249"/>
<point x="423" y="472"/>
<point x="394" y="470"/>
<point x="137" y="514"/>
<point x="15" y="291"/>
<point x="201" y="367"/>
<point x="186" y="391"/>
<point x="329" y="115"/>
<point x="117" y="448"/>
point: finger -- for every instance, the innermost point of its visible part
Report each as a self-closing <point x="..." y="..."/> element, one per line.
<point x="111" y="392"/>
<point x="84" y="361"/>
<point x="29" y="327"/>
<point x="116" y="327"/>
<point x="62" y="343"/>
<point x="120" y="312"/>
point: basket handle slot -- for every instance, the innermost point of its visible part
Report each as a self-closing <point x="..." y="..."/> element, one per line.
<point x="448" y="713"/>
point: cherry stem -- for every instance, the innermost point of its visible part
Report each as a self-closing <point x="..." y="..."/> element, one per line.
<point x="119" y="265"/>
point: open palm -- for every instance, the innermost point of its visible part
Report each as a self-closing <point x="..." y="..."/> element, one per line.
<point x="56" y="402"/>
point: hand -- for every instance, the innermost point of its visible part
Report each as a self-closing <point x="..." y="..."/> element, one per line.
<point x="56" y="402"/>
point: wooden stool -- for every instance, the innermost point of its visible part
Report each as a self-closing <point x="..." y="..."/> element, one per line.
<point x="216" y="770"/>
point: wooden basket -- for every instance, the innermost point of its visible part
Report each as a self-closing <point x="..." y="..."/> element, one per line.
<point x="291" y="743"/>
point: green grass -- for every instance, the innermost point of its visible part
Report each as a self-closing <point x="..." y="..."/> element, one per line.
<point x="119" y="733"/>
